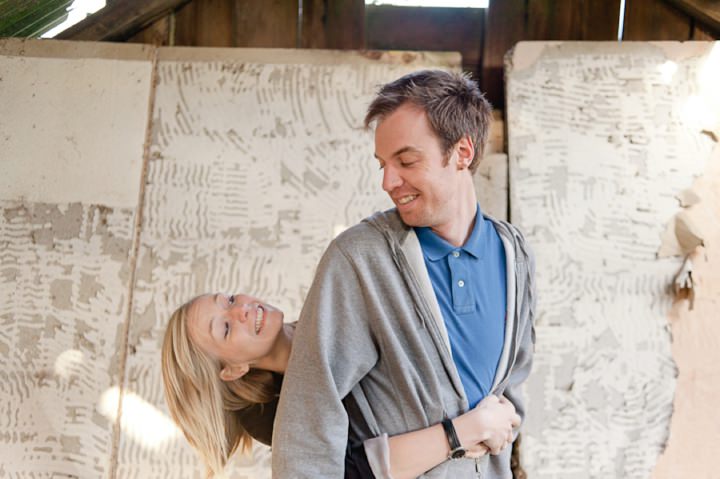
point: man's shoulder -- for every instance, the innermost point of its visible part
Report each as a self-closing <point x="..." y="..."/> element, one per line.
<point x="377" y="229"/>
<point x="511" y="232"/>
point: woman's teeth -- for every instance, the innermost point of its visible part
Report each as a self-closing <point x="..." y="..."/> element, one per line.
<point x="259" y="319"/>
<point x="406" y="199"/>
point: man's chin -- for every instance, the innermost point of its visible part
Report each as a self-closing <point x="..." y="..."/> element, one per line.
<point x="410" y="219"/>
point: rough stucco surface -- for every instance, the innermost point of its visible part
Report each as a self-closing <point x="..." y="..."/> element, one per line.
<point x="63" y="284"/>
<point x="66" y="226"/>
<point x="58" y="112"/>
<point x="599" y="147"/>
<point x="253" y="168"/>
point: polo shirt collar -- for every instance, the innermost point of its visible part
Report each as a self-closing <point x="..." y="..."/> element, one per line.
<point x="435" y="247"/>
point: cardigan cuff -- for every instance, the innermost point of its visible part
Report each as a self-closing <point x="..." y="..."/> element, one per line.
<point x="377" y="450"/>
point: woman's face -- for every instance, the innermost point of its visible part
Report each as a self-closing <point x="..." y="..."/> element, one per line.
<point x="236" y="329"/>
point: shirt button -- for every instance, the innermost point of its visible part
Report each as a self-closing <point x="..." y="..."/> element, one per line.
<point x="456" y="254"/>
<point x="461" y="283"/>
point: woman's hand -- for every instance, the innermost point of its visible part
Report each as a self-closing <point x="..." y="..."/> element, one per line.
<point x="491" y="423"/>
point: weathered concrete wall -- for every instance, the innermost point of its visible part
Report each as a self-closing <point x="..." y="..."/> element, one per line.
<point x="601" y="142"/>
<point x="254" y="167"/>
<point x="254" y="161"/>
<point x="72" y="129"/>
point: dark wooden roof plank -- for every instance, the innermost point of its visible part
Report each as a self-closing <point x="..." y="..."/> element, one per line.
<point x="704" y="11"/>
<point x="120" y="20"/>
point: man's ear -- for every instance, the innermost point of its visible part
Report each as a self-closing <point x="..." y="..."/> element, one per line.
<point x="231" y="373"/>
<point x="465" y="152"/>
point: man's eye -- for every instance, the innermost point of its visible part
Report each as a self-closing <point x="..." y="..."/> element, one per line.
<point x="407" y="163"/>
<point x="231" y="299"/>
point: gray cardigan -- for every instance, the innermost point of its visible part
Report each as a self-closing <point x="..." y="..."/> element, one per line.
<point x="371" y="328"/>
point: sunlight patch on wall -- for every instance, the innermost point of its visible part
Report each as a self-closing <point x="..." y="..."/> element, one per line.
<point x="143" y="422"/>
<point x="67" y="361"/>
<point x="702" y="111"/>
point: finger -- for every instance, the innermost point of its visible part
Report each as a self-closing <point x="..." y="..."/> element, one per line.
<point x="476" y="451"/>
<point x="516" y="420"/>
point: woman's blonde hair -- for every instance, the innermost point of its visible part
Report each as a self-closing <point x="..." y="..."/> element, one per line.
<point x="204" y="406"/>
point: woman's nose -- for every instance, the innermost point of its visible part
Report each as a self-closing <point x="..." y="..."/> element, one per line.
<point x="239" y="311"/>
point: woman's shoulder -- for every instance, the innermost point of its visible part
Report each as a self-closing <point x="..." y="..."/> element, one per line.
<point x="258" y="419"/>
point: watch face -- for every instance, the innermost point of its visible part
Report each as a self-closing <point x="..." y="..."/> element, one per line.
<point x="458" y="453"/>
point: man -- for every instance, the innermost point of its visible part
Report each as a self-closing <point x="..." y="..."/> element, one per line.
<point x="418" y="313"/>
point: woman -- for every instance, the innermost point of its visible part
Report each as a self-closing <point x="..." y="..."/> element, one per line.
<point x="223" y="357"/>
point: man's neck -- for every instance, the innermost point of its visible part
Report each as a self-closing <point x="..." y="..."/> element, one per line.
<point x="459" y="229"/>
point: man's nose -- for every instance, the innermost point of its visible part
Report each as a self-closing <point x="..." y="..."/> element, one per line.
<point x="391" y="179"/>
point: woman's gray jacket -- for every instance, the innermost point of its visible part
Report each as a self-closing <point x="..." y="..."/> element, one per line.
<point x="371" y="329"/>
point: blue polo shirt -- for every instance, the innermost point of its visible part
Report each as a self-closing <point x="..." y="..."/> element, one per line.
<point x="470" y="286"/>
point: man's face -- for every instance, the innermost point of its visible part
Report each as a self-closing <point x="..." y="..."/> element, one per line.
<point x="422" y="185"/>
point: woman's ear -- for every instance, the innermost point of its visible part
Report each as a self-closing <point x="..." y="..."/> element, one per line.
<point x="231" y="373"/>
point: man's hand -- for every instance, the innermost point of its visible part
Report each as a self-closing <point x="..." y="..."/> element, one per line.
<point x="489" y="424"/>
<point x="477" y="450"/>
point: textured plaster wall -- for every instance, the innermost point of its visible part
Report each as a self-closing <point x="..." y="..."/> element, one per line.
<point x="134" y="178"/>
<point x="603" y="139"/>
<point x="71" y="144"/>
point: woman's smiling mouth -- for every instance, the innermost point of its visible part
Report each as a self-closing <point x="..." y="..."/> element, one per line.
<point x="259" y="319"/>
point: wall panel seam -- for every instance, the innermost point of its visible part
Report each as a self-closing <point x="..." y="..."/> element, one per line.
<point x="133" y="259"/>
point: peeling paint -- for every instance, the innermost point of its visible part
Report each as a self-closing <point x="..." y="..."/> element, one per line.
<point x="601" y="151"/>
<point x="691" y="450"/>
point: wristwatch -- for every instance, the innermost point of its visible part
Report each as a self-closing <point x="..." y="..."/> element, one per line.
<point x="456" y="449"/>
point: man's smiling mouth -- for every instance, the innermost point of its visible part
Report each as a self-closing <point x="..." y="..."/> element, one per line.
<point x="406" y="199"/>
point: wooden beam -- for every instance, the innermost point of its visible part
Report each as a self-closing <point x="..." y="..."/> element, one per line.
<point x="505" y="24"/>
<point x="120" y="20"/>
<point x="205" y="23"/>
<point x="427" y="28"/>
<point x="648" y="20"/>
<point x="266" y="23"/>
<point x="704" y="11"/>
<point x="338" y="25"/>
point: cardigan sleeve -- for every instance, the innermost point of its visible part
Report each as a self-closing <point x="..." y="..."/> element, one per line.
<point x="333" y="349"/>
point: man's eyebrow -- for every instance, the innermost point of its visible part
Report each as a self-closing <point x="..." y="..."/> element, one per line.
<point x="404" y="149"/>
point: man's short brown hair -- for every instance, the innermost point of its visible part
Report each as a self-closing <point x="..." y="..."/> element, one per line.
<point x="454" y="105"/>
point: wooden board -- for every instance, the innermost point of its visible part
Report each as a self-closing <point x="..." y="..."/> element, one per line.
<point x="404" y="28"/>
<point x="266" y="23"/>
<point x="335" y="25"/>
<point x="655" y="20"/>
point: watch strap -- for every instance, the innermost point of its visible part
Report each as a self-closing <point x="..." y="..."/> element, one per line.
<point x="456" y="449"/>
